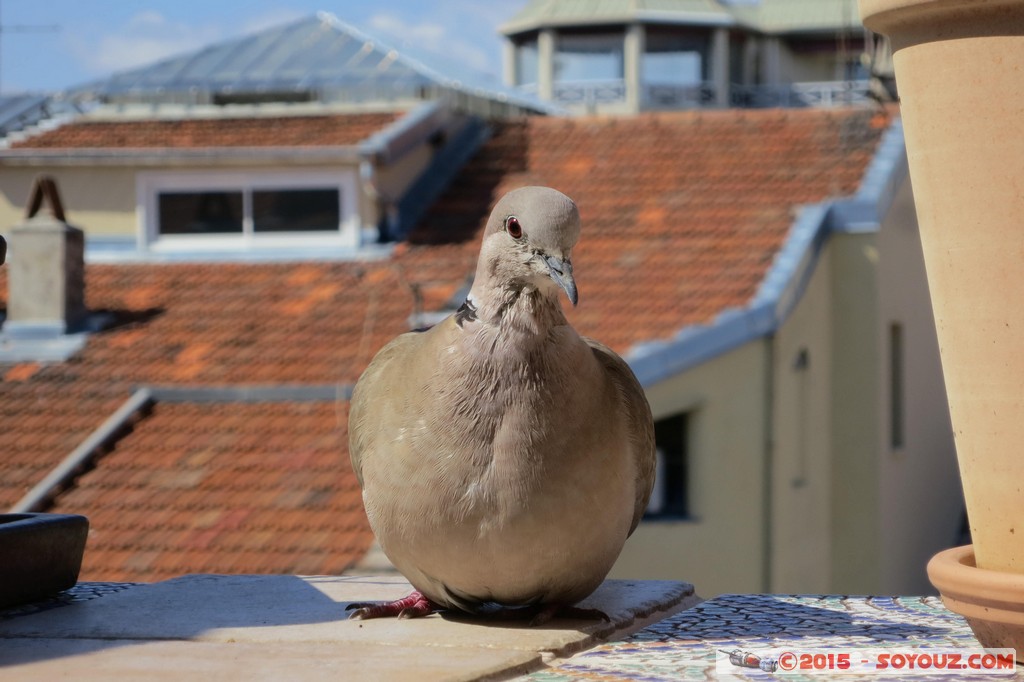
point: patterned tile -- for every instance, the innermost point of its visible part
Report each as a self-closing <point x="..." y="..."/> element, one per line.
<point x="686" y="645"/>
<point x="83" y="591"/>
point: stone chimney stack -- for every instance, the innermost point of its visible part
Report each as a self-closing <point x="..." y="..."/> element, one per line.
<point x="46" y="269"/>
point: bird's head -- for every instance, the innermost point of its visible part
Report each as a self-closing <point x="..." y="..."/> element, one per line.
<point x="529" y="240"/>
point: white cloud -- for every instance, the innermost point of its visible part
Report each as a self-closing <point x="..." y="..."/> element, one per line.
<point x="428" y="34"/>
<point x="270" y="19"/>
<point x="433" y="37"/>
<point x="147" y="37"/>
<point x="460" y="32"/>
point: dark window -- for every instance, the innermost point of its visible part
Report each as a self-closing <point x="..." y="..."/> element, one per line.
<point x="295" y="210"/>
<point x="290" y="96"/>
<point x="673" y="57"/>
<point x="265" y="210"/>
<point x="527" y="62"/>
<point x="588" y="56"/>
<point x="669" y="498"/>
<point x="896" y="385"/>
<point x="200" y="212"/>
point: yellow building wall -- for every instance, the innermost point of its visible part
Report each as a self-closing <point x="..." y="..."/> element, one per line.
<point x="801" y="67"/>
<point x="857" y="370"/>
<point x="825" y="509"/>
<point x="102" y="199"/>
<point x="801" y="468"/>
<point x="920" y="496"/>
<point x="720" y="549"/>
<point x="99" y="200"/>
<point x="818" y="529"/>
<point x="848" y="512"/>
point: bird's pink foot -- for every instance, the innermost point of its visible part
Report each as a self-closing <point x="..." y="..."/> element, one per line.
<point x="413" y="606"/>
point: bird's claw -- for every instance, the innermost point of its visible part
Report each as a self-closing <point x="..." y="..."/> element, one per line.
<point x="413" y="606"/>
<point x="361" y="610"/>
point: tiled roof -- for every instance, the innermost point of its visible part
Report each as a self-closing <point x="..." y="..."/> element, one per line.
<point x="682" y="216"/>
<point x="682" y="213"/>
<point x="261" y="131"/>
<point x="191" y="324"/>
<point x="233" y="488"/>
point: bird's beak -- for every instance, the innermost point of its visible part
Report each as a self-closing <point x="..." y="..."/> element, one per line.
<point x="561" y="272"/>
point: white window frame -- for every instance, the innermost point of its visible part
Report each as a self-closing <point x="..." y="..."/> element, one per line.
<point x="149" y="185"/>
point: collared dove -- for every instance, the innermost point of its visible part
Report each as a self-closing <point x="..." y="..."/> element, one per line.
<point x="503" y="458"/>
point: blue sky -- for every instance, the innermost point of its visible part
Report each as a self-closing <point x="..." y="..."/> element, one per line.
<point x="98" y="37"/>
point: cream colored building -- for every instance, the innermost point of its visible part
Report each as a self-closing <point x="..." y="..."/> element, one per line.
<point x="627" y="56"/>
<point x="820" y="409"/>
<point x="115" y="193"/>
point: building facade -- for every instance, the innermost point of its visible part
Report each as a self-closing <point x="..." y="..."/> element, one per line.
<point x="626" y="56"/>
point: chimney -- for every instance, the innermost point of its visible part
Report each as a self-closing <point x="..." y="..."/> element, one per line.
<point x="46" y="270"/>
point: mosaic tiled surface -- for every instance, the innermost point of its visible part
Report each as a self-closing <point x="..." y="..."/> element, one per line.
<point x="79" y="593"/>
<point x="684" y="646"/>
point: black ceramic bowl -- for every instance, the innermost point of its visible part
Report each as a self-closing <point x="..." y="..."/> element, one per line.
<point x="40" y="554"/>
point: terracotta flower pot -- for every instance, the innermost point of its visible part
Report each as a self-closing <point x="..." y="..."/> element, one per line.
<point x="960" y="73"/>
<point x="991" y="601"/>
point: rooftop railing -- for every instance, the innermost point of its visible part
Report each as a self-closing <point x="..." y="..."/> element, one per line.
<point x="822" y="94"/>
<point x="590" y="94"/>
<point x="671" y="96"/>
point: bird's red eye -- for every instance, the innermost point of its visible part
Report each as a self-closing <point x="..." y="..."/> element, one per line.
<point x="512" y="226"/>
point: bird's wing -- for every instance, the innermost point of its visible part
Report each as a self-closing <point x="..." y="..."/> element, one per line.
<point x="373" y="394"/>
<point x="638" y="421"/>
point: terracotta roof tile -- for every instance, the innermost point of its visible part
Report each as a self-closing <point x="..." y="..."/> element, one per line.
<point x="682" y="213"/>
<point x="283" y="131"/>
<point x="287" y="502"/>
<point x="200" y="324"/>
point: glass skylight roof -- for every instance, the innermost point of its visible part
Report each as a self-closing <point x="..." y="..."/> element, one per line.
<point x="318" y="54"/>
<point x="18" y="112"/>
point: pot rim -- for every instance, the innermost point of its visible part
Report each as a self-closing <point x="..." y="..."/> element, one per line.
<point x="955" y="574"/>
<point x="888" y="16"/>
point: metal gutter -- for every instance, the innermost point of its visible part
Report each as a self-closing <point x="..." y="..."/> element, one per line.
<point x="141" y="401"/>
<point x="81" y="458"/>
<point x="680" y="18"/>
<point x="405" y="133"/>
<point x="169" y="156"/>
<point x="271" y="393"/>
<point x="435" y="178"/>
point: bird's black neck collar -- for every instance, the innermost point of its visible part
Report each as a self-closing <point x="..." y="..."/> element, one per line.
<point x="465" y="313"/>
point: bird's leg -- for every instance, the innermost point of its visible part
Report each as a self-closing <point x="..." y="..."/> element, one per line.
<point x="413" y="606"/>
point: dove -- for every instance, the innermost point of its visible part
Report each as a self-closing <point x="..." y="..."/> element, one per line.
<point x="503" y="458"/>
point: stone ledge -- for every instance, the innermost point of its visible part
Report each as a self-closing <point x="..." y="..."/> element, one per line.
<point x="252" y="626"/>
